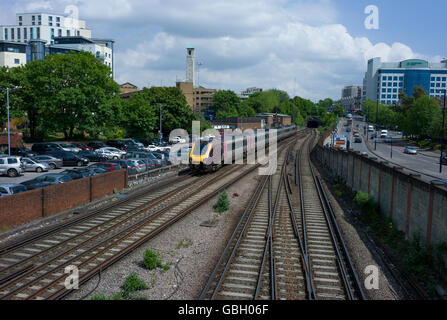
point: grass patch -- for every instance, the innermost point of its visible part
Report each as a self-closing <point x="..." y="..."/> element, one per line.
<point x="3" y="229"/>
<point x="132" y="284"/>
<point x="152" y="260"/>
<point x="101" y="296"/>
<point x="223" y="204"/>
<point x="185" y="243"/>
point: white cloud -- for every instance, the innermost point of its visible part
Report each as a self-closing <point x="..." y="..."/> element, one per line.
<point x="265" y="43"/>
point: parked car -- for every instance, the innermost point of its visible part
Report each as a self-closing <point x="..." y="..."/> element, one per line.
<point x="53" y="163"/>
<point x="111" y="153"/>
<point x="134" y="148"/>
<point x="34" y="166"/>
<point x="442" y="181"/>
<point x="46" y="180"/>
<point x="70" y="159"/>
<point x="109" y="167"/>
<point x="138" y="165"/>
<point x="69" y="147"/>
<point x="411" y="150"/>
<point x="123" y="163"/>
<point x="358" y="139"/>
<point x="117" y="144"/>
<point x="11" y="166"/>
<point x="96" y="145"/>
<point x="388" y="140"/>
<point x="11" y="189"/>
<point x="22" y="152"/>
<point x="43" y="148"/>
<point x="152" y="148"/>
<point x="82" y="146"/>
<point x="92" y="156"/>
<point x="162" y="157"/>
<point x="97" y="171"/>
<point x="76" y="174"/>
<point x="140" y="155"/>
<point x="178" y="140"/>
<point x="348" y="129"/>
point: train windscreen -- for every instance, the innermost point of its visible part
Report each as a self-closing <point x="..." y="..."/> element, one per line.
<point x="200" y="149"/>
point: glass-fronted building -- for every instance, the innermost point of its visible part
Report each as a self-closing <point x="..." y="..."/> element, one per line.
<point x="384" y="81"/>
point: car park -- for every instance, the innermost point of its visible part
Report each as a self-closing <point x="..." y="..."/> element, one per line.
<point x="11" y="166"/>
<point x="162" y="157"/>
<point x="411" y="150"/>
<point x="53" y="163"/>
<point x="109" y="167"/>
<point x="70" y="159"/>
<point x="34" y="166"/>
<point x="46" y="180"/>
<point x="11" y="189"/>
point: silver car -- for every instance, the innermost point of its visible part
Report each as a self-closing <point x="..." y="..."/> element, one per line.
<point x="34" y="166"/>
<point x="411" y="150"/>
<point x="137" y="164"/>
<point x="10" y="189"/>
<point x="11" y="166"/>
<point x="52" y="162"/>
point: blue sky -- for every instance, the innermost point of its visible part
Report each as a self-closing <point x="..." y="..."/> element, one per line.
<point x="308" y="48"/>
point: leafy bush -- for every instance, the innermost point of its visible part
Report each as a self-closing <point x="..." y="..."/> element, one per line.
<point x="151" y="260"/>
<point x="185" y="243"/>
<point x="223" y="204"/>
<point x="132" y="284"/>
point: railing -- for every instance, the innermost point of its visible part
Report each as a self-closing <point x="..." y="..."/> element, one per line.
<point x="153" y="173"/>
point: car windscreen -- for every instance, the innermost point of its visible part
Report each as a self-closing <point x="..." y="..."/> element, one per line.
<point x="18" y="189"/>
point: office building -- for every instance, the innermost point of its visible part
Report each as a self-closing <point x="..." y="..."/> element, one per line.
<point x="43" y="33"/>
<point x="351" y="98"/>
<point x="248" y="92"/>
<point x="384" y="81"/>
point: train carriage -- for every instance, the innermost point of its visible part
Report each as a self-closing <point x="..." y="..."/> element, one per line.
<point x="208" y="156"/>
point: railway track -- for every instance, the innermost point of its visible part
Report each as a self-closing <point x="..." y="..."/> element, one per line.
<point x="287" y="245"/>
<point x="35" y="268"/>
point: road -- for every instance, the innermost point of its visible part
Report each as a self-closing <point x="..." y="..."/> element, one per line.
<point x="424" y="163"/>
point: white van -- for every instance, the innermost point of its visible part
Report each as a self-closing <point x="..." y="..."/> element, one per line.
<point x="384" y="134"/>
<point x="370" y="129"/>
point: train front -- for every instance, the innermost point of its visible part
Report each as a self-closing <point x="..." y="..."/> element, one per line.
<point x="199" y="158"/>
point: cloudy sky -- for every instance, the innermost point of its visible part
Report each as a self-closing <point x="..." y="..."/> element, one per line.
<point x="307" y="48"/>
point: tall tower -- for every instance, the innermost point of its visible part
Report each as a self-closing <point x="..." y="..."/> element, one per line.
<point x="190" y="63"/>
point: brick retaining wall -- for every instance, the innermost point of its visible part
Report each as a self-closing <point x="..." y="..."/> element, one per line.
<point x="28" y="206"/>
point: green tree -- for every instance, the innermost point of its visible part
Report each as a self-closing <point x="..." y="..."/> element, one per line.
<point x="421" y="115"/>
<point x="70" y="92"/>
<point x="226" y="104"/>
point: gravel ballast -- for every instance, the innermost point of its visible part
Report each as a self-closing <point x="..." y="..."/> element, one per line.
<point x="190" y="265"/>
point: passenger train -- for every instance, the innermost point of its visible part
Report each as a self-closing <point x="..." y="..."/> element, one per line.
<point x="204" y="153"/>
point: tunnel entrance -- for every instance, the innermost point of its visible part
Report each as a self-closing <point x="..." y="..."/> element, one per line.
<point x="313" y="123"/>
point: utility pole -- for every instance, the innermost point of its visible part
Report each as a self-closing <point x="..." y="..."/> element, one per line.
<point x="160" y="137"/>
<point x="443" y="131"/>
<point x="9" y="131"/>
<point x="377" y="117"/>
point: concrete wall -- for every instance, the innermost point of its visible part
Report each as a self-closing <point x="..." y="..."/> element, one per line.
<point x="28" y="206"/>
<point x="416" y="206"/>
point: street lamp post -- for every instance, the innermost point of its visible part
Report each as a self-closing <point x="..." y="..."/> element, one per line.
<point x="443" y="129"/>
<point x="391" y="147"/>
<point x="9" y="131"/>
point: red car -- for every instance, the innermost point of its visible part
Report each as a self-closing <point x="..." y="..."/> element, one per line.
<point x="82" y="146"/>
<point x="109" y="167"/>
